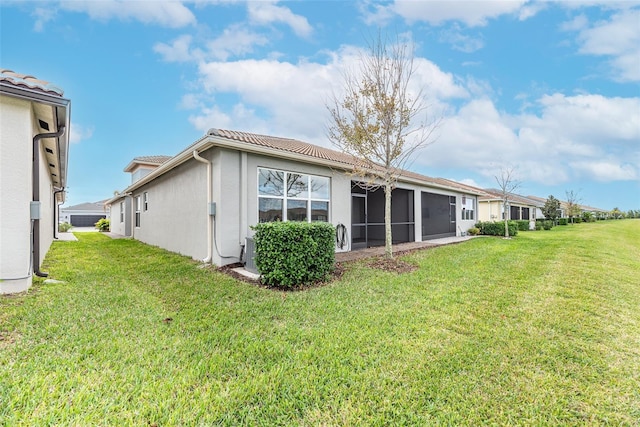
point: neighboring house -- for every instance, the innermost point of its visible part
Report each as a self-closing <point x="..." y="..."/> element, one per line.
<point x="141" y="166"/>
<point x="84" y="214"/>
<point x="491" y="207"/>
<point x="596" y="212"/>
<point x="542" y="201"/>
<point x="34" y="146"/>
<point x="204" y="201"/>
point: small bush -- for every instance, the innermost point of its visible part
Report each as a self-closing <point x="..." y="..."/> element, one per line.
<point x="563" y="221"/>
<point x="64" y="227"/>
<point x="547" y="225"/>
<point x="473" y="231"/>
<point x="523" y="224"/>
<point x="291" y="254"/>
<point x="489" y="228"/>
<point x="538" y="225"/>
<point x="577" y="220"/>
<point x="103" y="224"/>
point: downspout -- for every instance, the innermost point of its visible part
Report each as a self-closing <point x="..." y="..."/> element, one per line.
<point x="209" y="200"/>
<point x="56" y="212"/>
<point x="35" y="190"/>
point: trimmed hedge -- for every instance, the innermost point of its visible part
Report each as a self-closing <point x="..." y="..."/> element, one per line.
<point x="523" y="224"/>
<point x="563" y="221"/>
<point x="292" y="254"/>
<point x="490" y="228"/>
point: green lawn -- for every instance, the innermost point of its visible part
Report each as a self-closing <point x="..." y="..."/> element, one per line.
<point x="543" y="329"/>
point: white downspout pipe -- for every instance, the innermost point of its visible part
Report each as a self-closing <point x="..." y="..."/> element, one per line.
<point x="209" y="200"/>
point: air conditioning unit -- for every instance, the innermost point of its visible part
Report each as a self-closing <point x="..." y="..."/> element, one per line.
<point x="250" y="256"/>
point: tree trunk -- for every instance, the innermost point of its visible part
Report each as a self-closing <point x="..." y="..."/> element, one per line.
<point x="506" y="221"/>
<point x="388" y="248"/>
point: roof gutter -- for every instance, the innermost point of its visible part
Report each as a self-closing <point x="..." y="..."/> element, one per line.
<point x="35" y="191"/>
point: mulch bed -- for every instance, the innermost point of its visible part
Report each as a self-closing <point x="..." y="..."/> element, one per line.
<point x="393" y="265"/>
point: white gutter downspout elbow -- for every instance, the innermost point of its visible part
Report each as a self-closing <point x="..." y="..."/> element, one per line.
<point x="209" y="200"/>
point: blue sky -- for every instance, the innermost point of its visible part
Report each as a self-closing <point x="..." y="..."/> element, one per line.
<point x="551" y="89"/>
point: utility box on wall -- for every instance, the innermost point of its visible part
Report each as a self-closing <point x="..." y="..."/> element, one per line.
<point x="34" y="209"/>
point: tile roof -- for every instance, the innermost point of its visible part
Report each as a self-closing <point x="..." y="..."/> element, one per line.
<point x="29" y="82"/>
<point x="286" y="144"/>
<point x="317" y="152"/>
<point x="152" y="159"/>
<point x="493" y="193"/>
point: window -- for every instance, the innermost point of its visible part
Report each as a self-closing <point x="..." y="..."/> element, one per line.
<point x="138" y="203"/>
<point x="468" y="208"/>
<point x="145" y="201"/>
<point x="121" y="211"/>
<point x="289" y="196"/>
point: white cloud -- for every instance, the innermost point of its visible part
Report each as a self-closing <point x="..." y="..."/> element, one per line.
<point x="267" y="12"/>
<point x="236" y="40"/>
<point x="178" y="51"/>
<point x="617" y="38"/>
<point x="172" y="14"/>
<point x="573" y="137"/>
<point x="79" y="133"/>
<point x="470" y="12"/>
<point x="293" y="95"/>
<point x="606" y="170"/>
<point x="460" y="41"/>
<point x="43" y="15"/>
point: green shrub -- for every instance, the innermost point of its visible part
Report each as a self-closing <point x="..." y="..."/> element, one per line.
<point x="577" y="220"/>
<point x="523" y="224"/>
<point x="291" y="254"/>
<point x="490" y="228"/>
<point x="547" y="225"/>
<point x="474" y="231"/>
<point x="103" y="224"/>
<point x="64" y="227"/>
<point x="538" y="225"/>
<point x="563" y="221"/>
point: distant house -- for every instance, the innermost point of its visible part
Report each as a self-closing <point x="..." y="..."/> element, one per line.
<point x="203" y="202"/>
<point x="84" y="214"/>
<point x="492" y="204"/>
<point x="141" y="166"/>
<point x="34" y="146"/>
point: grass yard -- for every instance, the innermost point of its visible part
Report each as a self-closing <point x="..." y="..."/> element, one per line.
<point x="543" y="329"/>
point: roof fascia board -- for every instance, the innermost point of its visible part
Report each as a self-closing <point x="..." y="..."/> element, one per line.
<point x="33" y="95"/>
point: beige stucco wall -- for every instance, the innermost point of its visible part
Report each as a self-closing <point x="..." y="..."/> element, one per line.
<point x="490" y="211"/>
<point x="17" y="128"/>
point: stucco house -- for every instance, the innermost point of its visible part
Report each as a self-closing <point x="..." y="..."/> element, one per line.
<point x="491" y="207"/>
<point x="83" y="214"/>
<point x="203" y="201"/>
<point x="34" y="146"/>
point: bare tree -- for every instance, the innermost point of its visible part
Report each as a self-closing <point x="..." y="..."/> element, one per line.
<point x="508" y="184"/>
<point x="378" y="119"/>
<point x="573" y="204"/>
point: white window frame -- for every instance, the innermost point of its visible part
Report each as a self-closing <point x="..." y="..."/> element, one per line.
<point x="121" y="211"/>
<point x="468" y="208"/>
<point x="145" y="201"/>
<point x="138" y="207"/>
<point x="309" y="199"/>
